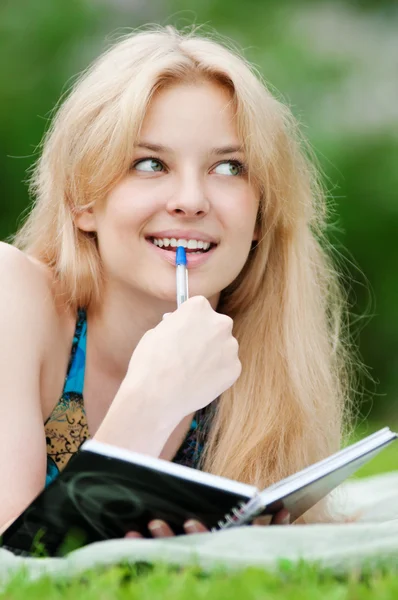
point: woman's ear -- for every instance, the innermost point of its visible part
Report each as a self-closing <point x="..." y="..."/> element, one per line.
<point x="85" y="220"/>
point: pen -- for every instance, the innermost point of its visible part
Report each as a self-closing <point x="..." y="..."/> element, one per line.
<point x="181" y="275"/>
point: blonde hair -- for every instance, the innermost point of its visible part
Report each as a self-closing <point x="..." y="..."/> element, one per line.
<point x="288" y="407"/>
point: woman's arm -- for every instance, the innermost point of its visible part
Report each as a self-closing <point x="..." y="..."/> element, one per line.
<point x="24" y="303"/>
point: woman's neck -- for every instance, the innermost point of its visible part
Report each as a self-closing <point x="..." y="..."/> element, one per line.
<point x="115" y="328"/>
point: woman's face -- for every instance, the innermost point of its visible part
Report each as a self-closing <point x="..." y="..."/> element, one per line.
<point x="185" y="182"/>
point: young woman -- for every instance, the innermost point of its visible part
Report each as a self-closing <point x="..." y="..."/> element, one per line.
<point x="169" y="137"/>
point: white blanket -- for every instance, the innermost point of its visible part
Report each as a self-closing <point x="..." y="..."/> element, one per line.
<point x="373" y="538"/>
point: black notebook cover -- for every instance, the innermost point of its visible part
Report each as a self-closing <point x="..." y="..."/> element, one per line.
<point x="98" y="497"/>
<point x="104" y="492"/>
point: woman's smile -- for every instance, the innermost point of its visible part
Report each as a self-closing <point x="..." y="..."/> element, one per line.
<point x="193" y="259"/>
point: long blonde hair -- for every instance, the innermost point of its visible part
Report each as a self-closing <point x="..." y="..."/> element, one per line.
<point x="288" y="407"/>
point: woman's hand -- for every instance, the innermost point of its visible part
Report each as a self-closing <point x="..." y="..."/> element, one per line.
<point x="160" y="529"/>
<point x="177" y="368"/>
<point x="187" y="360"/>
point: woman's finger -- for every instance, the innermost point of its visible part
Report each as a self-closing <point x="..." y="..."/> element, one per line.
<point x="263" y="521"/>
<point x="160" y="529"/>
<point x="133" y="534"/>
<point x="281" y="518"/>
<point x="193" y="526"/>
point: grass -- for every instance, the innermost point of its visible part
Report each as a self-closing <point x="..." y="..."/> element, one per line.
<point x="300" y="582"/>
<point x="161" y="582"/>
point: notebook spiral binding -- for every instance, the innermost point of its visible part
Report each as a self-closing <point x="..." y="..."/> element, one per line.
<point x="232" y="519"/>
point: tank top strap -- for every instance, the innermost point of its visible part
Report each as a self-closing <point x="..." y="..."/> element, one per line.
<point x="74" y="380"/>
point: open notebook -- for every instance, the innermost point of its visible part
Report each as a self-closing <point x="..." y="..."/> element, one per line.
<point x="105" y="491"/>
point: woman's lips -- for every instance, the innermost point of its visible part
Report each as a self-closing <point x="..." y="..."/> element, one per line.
<point x="193" y="260"/>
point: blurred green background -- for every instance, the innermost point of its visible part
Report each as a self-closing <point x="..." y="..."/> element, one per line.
<point x="334" y="63"/>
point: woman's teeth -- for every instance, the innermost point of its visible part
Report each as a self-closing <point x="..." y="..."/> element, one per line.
<point x="190" y="245"/>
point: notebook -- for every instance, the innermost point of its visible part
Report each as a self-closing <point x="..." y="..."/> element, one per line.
<point x="106" y="491"/>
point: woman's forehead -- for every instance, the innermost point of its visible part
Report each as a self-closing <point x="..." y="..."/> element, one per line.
<point x="202" y="110"/>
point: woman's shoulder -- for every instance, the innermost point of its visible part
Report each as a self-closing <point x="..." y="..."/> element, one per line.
<point x="22" y="268"/>
<point x="18" y="263"/>
<point x="25" y="278"/>
<point x="32" y="289"/>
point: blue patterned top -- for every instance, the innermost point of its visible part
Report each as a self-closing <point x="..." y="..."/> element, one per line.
<point x="66" y="428"/>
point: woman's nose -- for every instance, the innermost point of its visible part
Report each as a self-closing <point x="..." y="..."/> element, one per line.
<point x="189" y="198"/>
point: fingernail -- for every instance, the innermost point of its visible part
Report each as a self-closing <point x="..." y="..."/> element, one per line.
<point x="156" y="526"/>
<point x="193" y="526"/>
<point x="133" y="534"/>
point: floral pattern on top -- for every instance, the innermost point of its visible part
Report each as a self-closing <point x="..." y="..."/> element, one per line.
<point x="66" y="428"/>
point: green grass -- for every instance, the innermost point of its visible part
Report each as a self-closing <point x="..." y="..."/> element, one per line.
<point x="161" y="582"/>
<point x="302" y="582"/>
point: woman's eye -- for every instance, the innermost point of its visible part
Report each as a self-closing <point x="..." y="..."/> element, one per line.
<point x="230" y="167"/>
<point x="148" y="164"/>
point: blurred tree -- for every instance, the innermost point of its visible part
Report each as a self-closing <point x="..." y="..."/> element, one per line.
<point x="41" y="45"/>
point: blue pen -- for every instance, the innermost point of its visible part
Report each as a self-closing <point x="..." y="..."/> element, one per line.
<point x="181" y="275"/>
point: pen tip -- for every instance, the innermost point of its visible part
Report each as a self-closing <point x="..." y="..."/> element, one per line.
<point x="181" y="257"/>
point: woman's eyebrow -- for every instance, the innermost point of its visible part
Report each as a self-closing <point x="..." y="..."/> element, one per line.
<point x="232" y="149"/>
